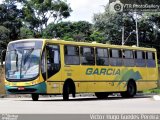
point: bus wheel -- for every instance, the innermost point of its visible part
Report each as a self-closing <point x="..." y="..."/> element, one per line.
<point x="66" y="90"/>
<point x="35" y="97"/>
<point x="101" y="95"/>
<point x="131" y="90"/>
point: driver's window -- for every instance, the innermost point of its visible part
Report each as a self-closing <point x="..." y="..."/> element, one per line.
<point x="53" y="59"/>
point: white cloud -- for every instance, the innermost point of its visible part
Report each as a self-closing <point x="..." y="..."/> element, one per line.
<point x="84" y="9"/>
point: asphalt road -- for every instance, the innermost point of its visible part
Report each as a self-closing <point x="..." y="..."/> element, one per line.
<point x="80" y="105"/>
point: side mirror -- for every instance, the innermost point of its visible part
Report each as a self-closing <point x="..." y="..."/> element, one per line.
<point x="3" y="55"/>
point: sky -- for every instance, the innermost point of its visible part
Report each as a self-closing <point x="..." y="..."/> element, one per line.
<point x="85" y="9"/>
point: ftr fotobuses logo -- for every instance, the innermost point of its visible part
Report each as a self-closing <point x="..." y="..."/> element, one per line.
<point x="134" y="5"/>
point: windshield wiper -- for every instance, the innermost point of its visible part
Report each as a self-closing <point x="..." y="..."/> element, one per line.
<point x="26" y="58"/>
<point x="16" y="60"/>
<point x="28" y="54"/>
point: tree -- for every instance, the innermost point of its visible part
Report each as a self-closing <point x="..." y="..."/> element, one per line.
<point x="26" y="33"/>
<point x="110" y="25"/>
<point x="10" y="18"/>
<point x="4" y="37"/>
<point x="98" y="37"/>
<point x="78" y="31"/>
<point x="39" y="12"/>
<point x="153" y="20"/>
<point x="82" y="30"/>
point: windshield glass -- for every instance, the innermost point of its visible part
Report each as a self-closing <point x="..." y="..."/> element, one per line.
<point x="22" y="63"/>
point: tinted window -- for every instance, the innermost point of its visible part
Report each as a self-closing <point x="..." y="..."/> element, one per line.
<point x="43" y="65"/>
<point x="150" y="59"/>
<point x="53" y="59"/>
<point x="150" y="55"/>
<point x="71" y="55"/>
<point x="115" y="57"/>
<point x="102" y="56"/>
<point x="87" y="56"/>
<point x="140" y="58"/>
<point x="128" y="58"/>
<point x="128" y="54"/>
<point x="115" y="53"/>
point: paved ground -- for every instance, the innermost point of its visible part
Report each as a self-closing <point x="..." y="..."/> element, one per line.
<point x="83" y="105"/>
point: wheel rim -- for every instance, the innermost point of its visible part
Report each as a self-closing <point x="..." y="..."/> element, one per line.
<point x="131" y="89"/>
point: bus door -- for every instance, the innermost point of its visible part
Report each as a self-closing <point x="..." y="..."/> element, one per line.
<point x="53" y="67"/>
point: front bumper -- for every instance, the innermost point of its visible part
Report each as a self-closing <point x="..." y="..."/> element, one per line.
<point x="39" y="89"/>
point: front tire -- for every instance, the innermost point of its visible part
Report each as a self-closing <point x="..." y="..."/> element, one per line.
<point x="131" y="90"/>
<point x="35" y="97"/>
<point x="66" y="90"/>
<point x="101" y="95"/>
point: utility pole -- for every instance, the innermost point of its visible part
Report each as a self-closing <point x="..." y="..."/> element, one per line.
<point x="123" y="30"/>
<point x="137" y="31"/>
<point x="123" y="35"/>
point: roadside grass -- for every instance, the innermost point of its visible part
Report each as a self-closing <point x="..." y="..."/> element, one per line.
<point x="153" y="91"/>
<point x="2" y="89"/>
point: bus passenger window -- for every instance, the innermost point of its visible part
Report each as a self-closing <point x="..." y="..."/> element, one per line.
<point x="140" y="58"/>
<point x="53" y="59"/>
<point x="87" y="56"/>
<point x="115" y="57"/>
<point x="128" y="58"/>
<point x="150" y="59"/>
<point x="102" y="57"/>
<point x="71" y="55"/>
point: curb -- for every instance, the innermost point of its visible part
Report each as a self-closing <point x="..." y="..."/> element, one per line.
<point x="156" y="97"/>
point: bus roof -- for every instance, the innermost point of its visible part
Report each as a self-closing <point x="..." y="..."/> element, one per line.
<point x="23" y="40"/>
<point x="58" y="41"/>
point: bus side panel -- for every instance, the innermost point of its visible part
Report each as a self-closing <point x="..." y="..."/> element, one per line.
<point x="115" y="79"/>
<point x="88" y="78"/>
<point x="105" y="79"/>
<point x="82" y="82"/>
<point x="149" y="79"/>
<point x="143" y="85"/>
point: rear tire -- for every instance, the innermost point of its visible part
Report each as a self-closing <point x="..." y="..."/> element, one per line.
<point x="101" y="95"/>
<point x="131" y="90"/>
<point x="35" y="97"/>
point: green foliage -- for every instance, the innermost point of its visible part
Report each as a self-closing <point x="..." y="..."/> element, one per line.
<point x="155" y="91"/>
<point x="33" y="17"/>
<point x="39" y="12"/>
<point x="78" y="31"/>
<point x="98" y="37"/>
<point x="4" y="36"/>
<point x="67" y="38"/>
<point x="26" y="33"/>
<point x="10" y="22"/>
<point x="111" y="24"/>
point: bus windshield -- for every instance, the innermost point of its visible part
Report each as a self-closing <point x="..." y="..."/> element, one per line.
<point x="22" y="63"/>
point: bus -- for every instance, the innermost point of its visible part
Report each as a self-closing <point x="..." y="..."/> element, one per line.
<point x="58" y="67"/>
